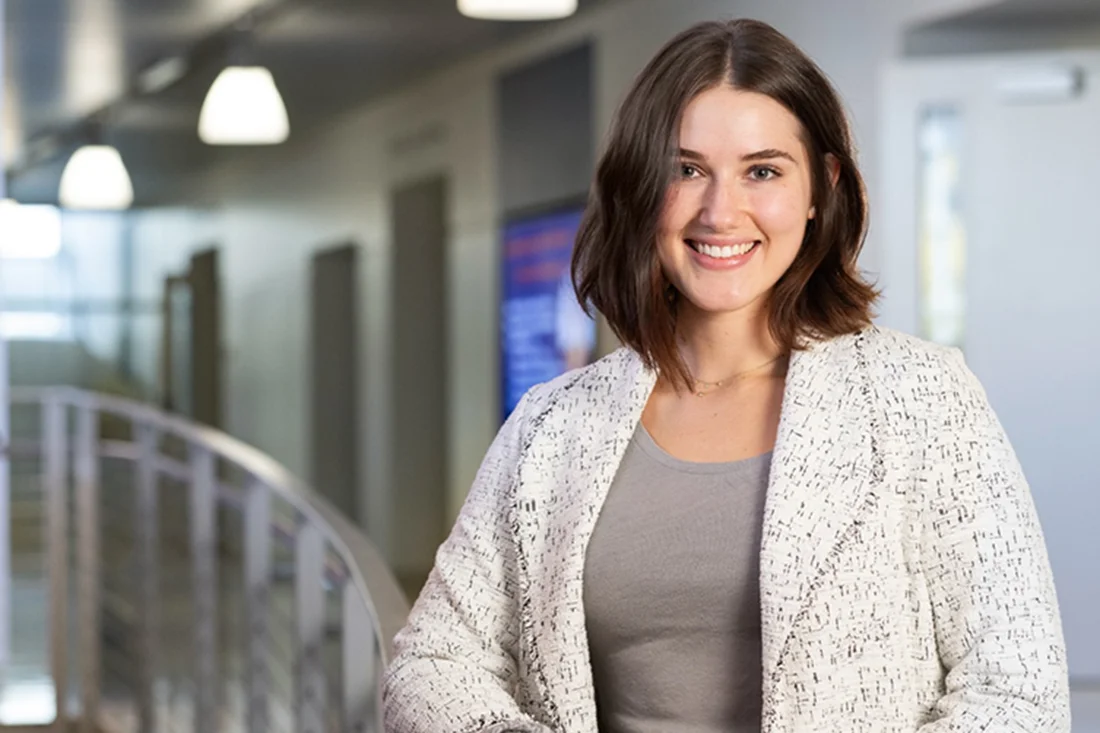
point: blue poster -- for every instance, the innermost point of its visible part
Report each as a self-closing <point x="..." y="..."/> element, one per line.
<point x="544" y="330"/>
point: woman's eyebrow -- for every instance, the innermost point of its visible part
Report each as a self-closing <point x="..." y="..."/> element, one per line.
<point x="769" y="154"/>
<point x="766" y="154"/>
<point x="691" y="154"/>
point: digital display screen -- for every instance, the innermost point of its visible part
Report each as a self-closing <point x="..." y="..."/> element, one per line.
<point x="544" y="330"/>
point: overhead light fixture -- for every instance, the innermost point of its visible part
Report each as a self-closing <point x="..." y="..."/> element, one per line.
<point x="243" y="107"/>
<point x="96" y="178"/>
<point x="517" y="9"/>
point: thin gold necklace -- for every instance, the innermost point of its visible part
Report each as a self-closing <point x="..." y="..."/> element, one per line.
<point x="718" y="385"/>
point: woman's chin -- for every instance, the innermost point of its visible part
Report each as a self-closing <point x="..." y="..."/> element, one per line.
<point x="720" y="305"/>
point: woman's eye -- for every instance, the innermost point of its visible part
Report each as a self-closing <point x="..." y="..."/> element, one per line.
<point x="763" y="173"/>
<point x="688" y="171"/>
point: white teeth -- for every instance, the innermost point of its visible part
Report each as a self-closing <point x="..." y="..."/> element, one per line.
<point x="725" y="252"/>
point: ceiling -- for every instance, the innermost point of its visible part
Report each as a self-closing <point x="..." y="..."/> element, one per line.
<point x="1007" y="26"/>
<point x="1011" y="12"/>
<point x="65" y="60"/>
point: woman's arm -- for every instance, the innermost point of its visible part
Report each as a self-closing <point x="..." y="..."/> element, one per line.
<point x="454" y="669"/>
<point x="996" y="615"/>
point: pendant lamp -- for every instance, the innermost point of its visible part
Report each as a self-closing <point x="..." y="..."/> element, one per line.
<point x="243" y="107"/>
<point x="517" y="9"/>
<point x="96" y="178"/>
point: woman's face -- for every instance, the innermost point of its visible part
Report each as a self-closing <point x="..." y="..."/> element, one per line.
<point x="736" y="211"/>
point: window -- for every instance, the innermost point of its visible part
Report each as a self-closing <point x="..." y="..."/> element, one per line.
<point x="35" y="326"/>
<point x="29" y="232"/>
<point x="30" y="269"/>
<point x="941" y="234"/>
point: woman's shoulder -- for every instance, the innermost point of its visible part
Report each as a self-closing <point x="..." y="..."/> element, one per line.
<point x="911" y="368"/>
<point x="886" y="346"/>
<point x="883" y="341"/>
<point x="610" y="378"/>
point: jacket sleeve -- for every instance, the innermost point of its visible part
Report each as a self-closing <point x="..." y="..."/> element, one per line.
<point x="996" y="614"/>
<point x="454" y="668"/>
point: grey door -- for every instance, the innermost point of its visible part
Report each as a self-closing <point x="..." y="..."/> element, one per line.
<point x="206" y="363"/>
<point x="334" y="374"/>
<point x="419" y="368"/>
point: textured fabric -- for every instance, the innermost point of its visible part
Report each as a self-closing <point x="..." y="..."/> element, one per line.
<point x="672" y="597"/>
<point x="904" y="580"/>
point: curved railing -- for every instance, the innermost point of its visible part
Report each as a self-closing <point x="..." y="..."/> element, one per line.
<point x="193" y="582"/>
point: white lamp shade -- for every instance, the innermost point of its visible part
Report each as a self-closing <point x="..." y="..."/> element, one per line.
<point x="517" y="9"/>
<point x="243" y="107"/>
<point x="96" y="178"/>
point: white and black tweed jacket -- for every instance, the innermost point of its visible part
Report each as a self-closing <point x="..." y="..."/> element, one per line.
<point x="904" y="579"/>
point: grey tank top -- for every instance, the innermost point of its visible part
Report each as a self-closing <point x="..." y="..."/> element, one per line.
<point x="672" y="596"/>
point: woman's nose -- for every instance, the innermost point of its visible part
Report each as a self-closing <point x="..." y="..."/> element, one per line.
<point x="724" y="207"/>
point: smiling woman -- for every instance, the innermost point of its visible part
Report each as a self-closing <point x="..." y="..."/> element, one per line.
<point x="763" y="513"/>
<point x="725" y="142"/>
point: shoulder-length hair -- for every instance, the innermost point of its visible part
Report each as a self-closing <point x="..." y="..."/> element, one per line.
<point x="615" y="264"/>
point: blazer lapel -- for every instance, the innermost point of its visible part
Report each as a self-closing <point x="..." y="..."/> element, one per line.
<point x="822" y="477"/>
<point x="570" y="465"/>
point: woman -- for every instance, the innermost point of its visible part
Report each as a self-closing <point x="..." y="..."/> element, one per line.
<point x="763" y="513"/>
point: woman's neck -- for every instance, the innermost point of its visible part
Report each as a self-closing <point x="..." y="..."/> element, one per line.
<point x="719" y="346"/>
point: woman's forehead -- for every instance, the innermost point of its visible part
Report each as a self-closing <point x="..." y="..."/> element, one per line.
<point x="724" y="120"/>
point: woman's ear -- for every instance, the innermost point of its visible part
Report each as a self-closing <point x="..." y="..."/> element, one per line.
<point x="832" y="170"/>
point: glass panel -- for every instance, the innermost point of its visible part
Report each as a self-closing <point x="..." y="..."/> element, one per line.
<point x="942" y="234"/>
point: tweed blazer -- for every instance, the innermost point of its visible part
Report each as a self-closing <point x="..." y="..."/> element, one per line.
<point x="904" y="579"/>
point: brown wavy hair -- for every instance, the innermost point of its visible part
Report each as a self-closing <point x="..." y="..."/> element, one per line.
<point x="615" y="265"/>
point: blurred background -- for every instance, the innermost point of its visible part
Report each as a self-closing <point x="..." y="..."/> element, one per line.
<point x="292" y="262"/>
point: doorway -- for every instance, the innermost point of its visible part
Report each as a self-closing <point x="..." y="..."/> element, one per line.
<point x="419" y="435"/>
<point x="334" y="377"/>
<point x="191" y="345"/>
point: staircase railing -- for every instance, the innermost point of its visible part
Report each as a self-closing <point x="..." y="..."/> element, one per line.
<point x="193" y="582"/>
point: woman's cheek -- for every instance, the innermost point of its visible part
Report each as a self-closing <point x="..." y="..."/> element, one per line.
<point x="780" y="210"/>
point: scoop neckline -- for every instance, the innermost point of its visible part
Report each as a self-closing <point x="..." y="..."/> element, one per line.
<point x="646" y="443"/>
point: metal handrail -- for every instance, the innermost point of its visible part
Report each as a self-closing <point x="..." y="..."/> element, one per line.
<point x="373" y="605"/>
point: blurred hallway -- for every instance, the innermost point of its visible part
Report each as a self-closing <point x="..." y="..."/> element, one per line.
<point x="364" y="301"/>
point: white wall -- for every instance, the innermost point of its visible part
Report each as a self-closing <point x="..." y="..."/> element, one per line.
<point x="279" y="206"/>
